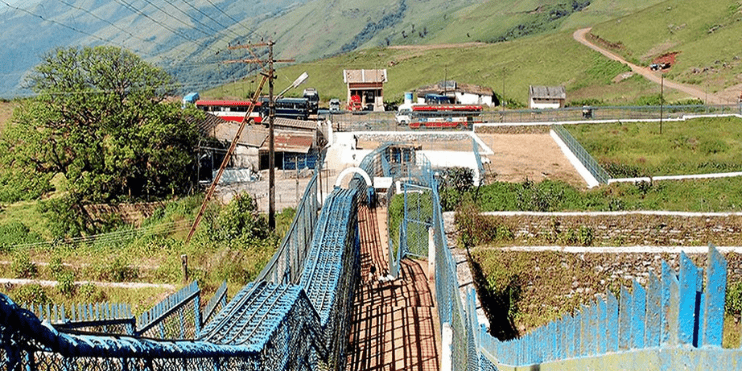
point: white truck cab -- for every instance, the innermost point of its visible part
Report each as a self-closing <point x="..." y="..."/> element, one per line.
<point x="404" y="114"/>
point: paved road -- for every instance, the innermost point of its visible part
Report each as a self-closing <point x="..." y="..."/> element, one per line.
<point x="654" y="76"/>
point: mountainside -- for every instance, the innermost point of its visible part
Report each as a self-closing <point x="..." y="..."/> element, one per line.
<point x="190" y="38"/>
<point x="705" y="47"/>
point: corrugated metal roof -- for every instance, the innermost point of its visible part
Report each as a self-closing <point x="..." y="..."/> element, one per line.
<point x="364" y="76"/>
<point x="547" y="92"/>
<point x="295" y="124"/>
<point x="454" y="87"/>
<point x="252" y="136"/>
<point x="290" y="141"/>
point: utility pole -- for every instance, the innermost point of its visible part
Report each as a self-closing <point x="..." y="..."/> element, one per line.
<point x="268" y="75"/>
<point x="662" y="98"/>
<point x="271" y="147"/>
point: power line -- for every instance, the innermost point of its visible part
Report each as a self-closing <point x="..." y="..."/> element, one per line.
<point x="55" y="22"/>
<point x="105" y="20"/>
<point x="250" y="31"/>
<point x="174" y="31"/>
<point x="225" y="28"/>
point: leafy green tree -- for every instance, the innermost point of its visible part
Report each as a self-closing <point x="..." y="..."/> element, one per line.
<point x="100" y="119"/>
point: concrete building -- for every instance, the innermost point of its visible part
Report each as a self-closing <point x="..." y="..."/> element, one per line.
<point x="461" y="93"/>
<point x="542" y="97"/>
<point x="367" y="86"/>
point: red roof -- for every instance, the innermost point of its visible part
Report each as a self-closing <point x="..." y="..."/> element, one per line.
<point x="447" y="107"/>
<point x="203" y="102"/>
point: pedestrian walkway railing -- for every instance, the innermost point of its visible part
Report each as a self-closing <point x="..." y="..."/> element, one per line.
<point x="215" y="304"/>
<point x="93" y="317"/>
<point x="287" y="263"/>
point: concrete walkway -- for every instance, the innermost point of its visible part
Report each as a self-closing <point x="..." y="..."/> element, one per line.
<point x="394" y="324"/>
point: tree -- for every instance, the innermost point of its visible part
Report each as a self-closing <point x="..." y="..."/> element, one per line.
<point x="100" y="120"/>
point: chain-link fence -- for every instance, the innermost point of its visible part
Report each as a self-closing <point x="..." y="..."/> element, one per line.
<point x="385" y="121"/>
<point x="582" y="155"/>
<point x="418" y="218"/>
<point x="287" y="263"/>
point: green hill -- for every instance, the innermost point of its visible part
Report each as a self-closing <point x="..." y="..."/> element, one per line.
<point x="706" y="35"/>
<point x="190" y="39"/>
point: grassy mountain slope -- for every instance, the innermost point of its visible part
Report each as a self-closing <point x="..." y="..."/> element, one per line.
<point x="707" y="42"/>
<point x="537" y="60"/>
<point x="191" y="42"/>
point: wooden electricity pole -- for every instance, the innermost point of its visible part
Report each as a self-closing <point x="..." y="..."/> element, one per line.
<point x="268" y="75"/>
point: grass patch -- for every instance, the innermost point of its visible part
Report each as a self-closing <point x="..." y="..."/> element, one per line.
<point x="696" y="146"/>
<point x="706" y="57"/>
<point x="150" y="255"/>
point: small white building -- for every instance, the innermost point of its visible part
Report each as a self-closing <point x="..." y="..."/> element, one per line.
<point x="461" y="93"/>
<point x="542" y="97"/>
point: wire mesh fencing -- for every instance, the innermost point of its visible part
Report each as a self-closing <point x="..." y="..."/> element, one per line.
<point x="582" y="154"/>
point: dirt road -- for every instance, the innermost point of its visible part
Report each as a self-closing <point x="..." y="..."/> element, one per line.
<point x="650" y="75"/>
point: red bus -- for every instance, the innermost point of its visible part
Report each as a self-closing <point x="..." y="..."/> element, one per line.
<point x="230" y="110"/>
<point x="438" y="115"/>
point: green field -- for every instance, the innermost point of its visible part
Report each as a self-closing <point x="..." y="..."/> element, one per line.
<point x="696" y="146"/>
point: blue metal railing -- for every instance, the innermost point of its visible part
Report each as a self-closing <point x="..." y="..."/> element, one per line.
<point x="287" y="263"/>
<point x="178" y="316"/>
<point x="99" y="317"/>
<point x="216" y="303"/>
<point x="677" y="311"/>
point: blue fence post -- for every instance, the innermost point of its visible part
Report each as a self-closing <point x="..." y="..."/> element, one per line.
<point x="653" y="319"/>
<point x="624" y="320"/>
<point x="638" y="315"/>
<point x="601" y="328"/>
<point x="197" y="312"/>
<point x="716" y="285"/>
<point x="570" y="336"/>
<point x="577" y="323"/>
<point x="588" y="340"/>
<point x="698" y="314"/>
<point x="687" y="300"/>
<point x="671" y="288"/>
<point x="611" y="319"/>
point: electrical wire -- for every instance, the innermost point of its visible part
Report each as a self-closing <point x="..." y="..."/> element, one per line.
<point x="225" y="28"/>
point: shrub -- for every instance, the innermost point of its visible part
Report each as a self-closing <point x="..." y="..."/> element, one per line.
<point x="22" y="266"/>
<point x="90" y="293"/>
<point x="733" y="302"/>
<point x="32" y="294"/>
<point x="66" y="284"/>
<point x="16" y="233"/>
<point x="118" y="271"/>
<point x="713" y="146"/>
<point x="56" y="267"/>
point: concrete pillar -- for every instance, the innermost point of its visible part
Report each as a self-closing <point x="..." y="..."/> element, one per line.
<point x="447" y="347"/>
<point x="431" y="262"/>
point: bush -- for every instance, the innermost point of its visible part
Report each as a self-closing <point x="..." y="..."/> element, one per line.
<point x="66" y="284"/>
<point x="22" y="266"/>
<point x="56" y="267"/>
<point x="117" y="271"/>
<point x="733" y="302"/>
<point x="16" y="233"/>
<point x="31" y="294"/>
<point x="89" y="292"/>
